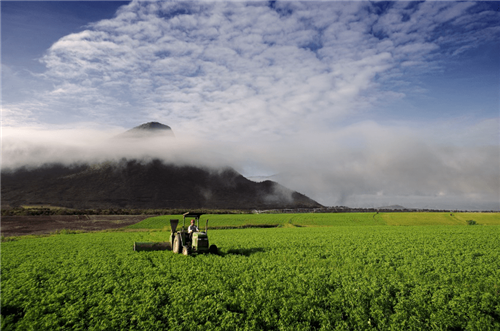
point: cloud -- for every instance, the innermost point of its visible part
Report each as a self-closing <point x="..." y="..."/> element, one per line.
<point x="228" y="65"/>
<point x="392" y="165"/>
<point x="364" y="164"/>
<point x="276" y="88"/>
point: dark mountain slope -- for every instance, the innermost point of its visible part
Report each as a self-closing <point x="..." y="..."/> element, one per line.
<point x="132" y="184"/>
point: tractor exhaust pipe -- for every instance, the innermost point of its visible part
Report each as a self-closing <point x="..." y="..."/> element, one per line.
<point x="206" y="226"/>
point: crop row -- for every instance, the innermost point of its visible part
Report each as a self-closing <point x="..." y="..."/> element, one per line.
<point x="313" y="278"/>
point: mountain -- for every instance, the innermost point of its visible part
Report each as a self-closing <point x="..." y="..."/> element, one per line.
<point x="151" y="129"/>
<point x="133" y="184"/>
<point x="138" y="184"/>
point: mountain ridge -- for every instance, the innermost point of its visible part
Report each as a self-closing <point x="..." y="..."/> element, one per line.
<point x="134" y="184"/>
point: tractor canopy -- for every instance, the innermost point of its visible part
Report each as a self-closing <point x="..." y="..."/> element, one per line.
<point x="195" y="216"/>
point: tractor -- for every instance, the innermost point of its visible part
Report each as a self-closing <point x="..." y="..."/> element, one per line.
<point x="181" y="241"/>
<point x="194" y="242"/>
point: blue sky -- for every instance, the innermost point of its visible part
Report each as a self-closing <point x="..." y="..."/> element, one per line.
<point x="353" y="103"/>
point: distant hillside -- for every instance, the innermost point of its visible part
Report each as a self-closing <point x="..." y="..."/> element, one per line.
<point x="393" y="207"/>
<point x="135" y="184"/>
<point x="132" y="184"/>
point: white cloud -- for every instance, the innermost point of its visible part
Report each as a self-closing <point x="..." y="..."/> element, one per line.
<point x="147" y="59"/>
<point x="367" y="158"/>
<point x="269" y="87"/>
<point x="182" y="60"/>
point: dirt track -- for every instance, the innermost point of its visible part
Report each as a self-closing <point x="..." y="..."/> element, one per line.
<point x="25" y="225"/>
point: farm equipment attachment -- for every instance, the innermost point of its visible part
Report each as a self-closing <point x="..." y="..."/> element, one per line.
<point x="181" y="241"/>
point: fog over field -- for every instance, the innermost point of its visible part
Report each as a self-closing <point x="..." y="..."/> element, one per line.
<point x="385" y="166"/>
<point x="357" y="103"/>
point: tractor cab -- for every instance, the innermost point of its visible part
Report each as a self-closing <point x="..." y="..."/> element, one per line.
<point x="194" y="217"/>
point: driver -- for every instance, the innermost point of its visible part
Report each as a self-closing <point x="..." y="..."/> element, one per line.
<point x="192" y="228"/>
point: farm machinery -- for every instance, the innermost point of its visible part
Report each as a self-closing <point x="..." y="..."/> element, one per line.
<point x="181" y="241"/>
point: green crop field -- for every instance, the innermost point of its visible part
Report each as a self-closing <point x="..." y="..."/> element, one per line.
<point x="242" y="220"/>
<point x="440" y="218"/>
<point x="327" y="219"/>
<point x="288" y="278"/>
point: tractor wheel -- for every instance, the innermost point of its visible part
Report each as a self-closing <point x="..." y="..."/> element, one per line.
<point x="176" y="247"/>
<point x="185" y="250"/>
<point x="213" y="249"/>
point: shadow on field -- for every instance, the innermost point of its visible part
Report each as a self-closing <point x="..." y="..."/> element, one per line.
<point x="243" y="251"/>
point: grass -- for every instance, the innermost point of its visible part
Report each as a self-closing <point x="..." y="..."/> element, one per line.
<point x="256" y="220"/>
<point x="420" y="219"/>
<point x="234" y="221"/>
<point x="439" y="218"/>
<point x="308" y="278"/>
<point x="480" y="218"/>
<point x="326" y="219"/>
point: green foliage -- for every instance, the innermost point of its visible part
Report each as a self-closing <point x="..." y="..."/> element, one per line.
<point x="307" y="278"/>
<point x="273" y="220"/>
<point x="66" y="231"/>
<point x="222" y="221"/>
<point x="434" y="218"/>
<point x="5" y="239"/>
<point x="471" y="222"/>
<point x="480" y="218"/>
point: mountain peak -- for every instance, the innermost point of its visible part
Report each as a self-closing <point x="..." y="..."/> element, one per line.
<point x="148" y="129"/>
<point x="151" y="126"/>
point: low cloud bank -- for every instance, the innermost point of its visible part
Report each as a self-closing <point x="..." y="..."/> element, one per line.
<point x="361" y="165"/>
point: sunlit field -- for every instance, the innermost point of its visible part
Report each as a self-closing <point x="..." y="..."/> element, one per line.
<point x="286" y="278"/>
<point x="328" y="219"/>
